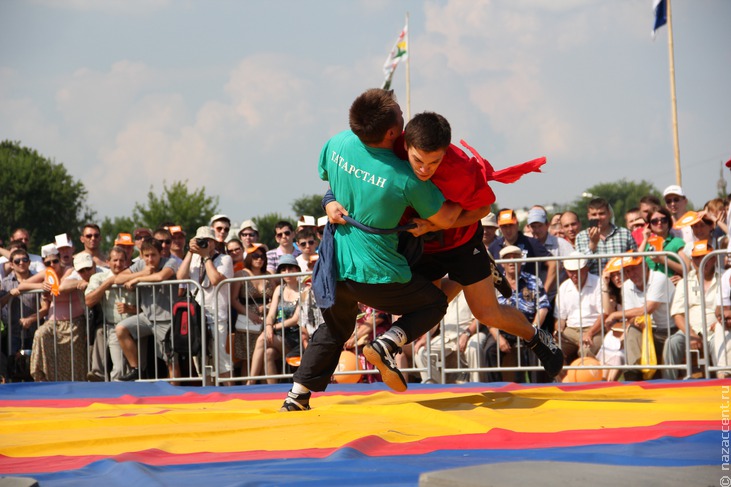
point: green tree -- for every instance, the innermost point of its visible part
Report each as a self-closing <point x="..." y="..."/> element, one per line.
<point x="621" y="195"/>
<point x="308" y="205"/>
<point x="176" y="204"/>
<point x="40" y="195"/>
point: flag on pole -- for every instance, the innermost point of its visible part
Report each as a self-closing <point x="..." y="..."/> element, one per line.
<point x="661" y="14"/>
<point x="399" y="52"/>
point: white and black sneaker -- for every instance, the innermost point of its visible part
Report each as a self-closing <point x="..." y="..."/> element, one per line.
<point x="547" y="351"/>
<point x="380" y="353"/>
<point x="296" y="402"/>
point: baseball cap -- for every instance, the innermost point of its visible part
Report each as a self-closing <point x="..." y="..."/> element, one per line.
<point x="254" y="247"/>
<point x="83" y="261"/>
<point x="701" y="248"/>
<point x="630" y="261"/>
<point x="322" y="221"/>
<point x="507" y="217"/>
<point x="306" y="221"/>
<point x="175" y="229"/>
<point x="140" y="232"/>
<point x="536" y="215"/>
<point x="574" y="264"/>
<point x="490" y="220"/>
<point x="614" y="265"/>
<point x="124" y="239"/>
<point x="673" y="189"/>
<point x="48" y="249"/>
<point x="510" y="249"/>
<point x="63" y="240"/>
<point x="728" y="163"/>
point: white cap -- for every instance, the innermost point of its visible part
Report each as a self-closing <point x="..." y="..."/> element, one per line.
<point x="510" y="249"/>
<point x="322" y="221"/>
<point x="306" y="221"/>
<point x="83" y="260"/>
<point x="673" y="189"/>
<point x="63" y="240"/>
<point x="490" y="220"/>
<point x="48" y="249"/>
<point x="220" y="216"/>
<point x="575" y="264"/>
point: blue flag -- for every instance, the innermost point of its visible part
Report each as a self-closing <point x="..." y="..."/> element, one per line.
<point x="661" y="14"/>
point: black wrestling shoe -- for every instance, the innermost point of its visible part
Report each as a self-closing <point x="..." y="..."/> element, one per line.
<point x="379" y="355"/>
<point x="296" y="402"/>
<point x="547" y="351"/>
<point x="133" y="374"/>
<point x="498" y="279"/>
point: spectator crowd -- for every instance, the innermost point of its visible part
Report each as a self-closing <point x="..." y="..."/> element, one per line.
<point x="76" y="313"/>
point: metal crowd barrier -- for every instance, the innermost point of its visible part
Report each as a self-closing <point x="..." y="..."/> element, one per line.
<point x="204" y="368"/>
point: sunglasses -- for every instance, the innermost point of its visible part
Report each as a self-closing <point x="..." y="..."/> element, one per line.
<point x="85" y="269"/>
<point x="307" y="243"/>
<point x="166" y="241"/>
<point x="92" y="235"/>
<point x="659" y="221"/>
<point x="221" y="229"/>
<point x="248" y="235"/>
<point x="50" y="262"/>
<point x="141" y="237"/>
<point x="24" y="260"/>
<point x="257" y="256"/>
<point x="672" y="200"/>
<point x="285" y="233"/>
<point x="235" y="249"/>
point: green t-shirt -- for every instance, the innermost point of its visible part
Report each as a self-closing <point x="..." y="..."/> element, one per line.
<point x="375" y="186"/>
<point x="671" y="244"/>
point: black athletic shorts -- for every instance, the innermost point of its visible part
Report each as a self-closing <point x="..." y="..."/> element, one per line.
<point x="467" y="264"/>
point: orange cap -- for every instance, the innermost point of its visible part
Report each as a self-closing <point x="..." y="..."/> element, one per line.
<point x="124" y="239"/>
<point x="701" y="248"/>
<point x="507" y="217"/>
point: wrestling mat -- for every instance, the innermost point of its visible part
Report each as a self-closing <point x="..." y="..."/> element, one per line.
<point x="122" y="434"/>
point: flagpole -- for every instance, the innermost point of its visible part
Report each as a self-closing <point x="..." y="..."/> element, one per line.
<point x="678" y="175"/>
<point x="408" y="71"/>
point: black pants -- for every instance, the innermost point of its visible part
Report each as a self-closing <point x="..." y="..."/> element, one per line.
<point x="420" y="304"/>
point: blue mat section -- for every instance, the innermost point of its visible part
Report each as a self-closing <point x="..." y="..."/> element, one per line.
<point x="349" y="467"/>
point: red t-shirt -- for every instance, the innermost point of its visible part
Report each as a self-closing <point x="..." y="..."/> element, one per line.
<point x="461" y="179"/>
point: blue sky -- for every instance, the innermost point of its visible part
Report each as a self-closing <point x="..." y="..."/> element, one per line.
<point x="239" y="96"/>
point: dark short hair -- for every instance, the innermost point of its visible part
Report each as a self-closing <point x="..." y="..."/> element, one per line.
<point x="664" y="212"/>
<point x="372" y="114"/>
<point x="91" y="225"/>
<point x="598" y="203"/>
<point x="150" y="243"/>
<point x="17" y="252"/>
<point x="163" y="231"/>
<point x="428" y="131"/>
<point x="650" y="199"/>
<point x="305" y="232"/>
<point x="282" y="224"/>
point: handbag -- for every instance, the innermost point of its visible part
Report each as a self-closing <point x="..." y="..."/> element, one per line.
<point x="244" y="323"/>
<point x="648" y="355"/>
